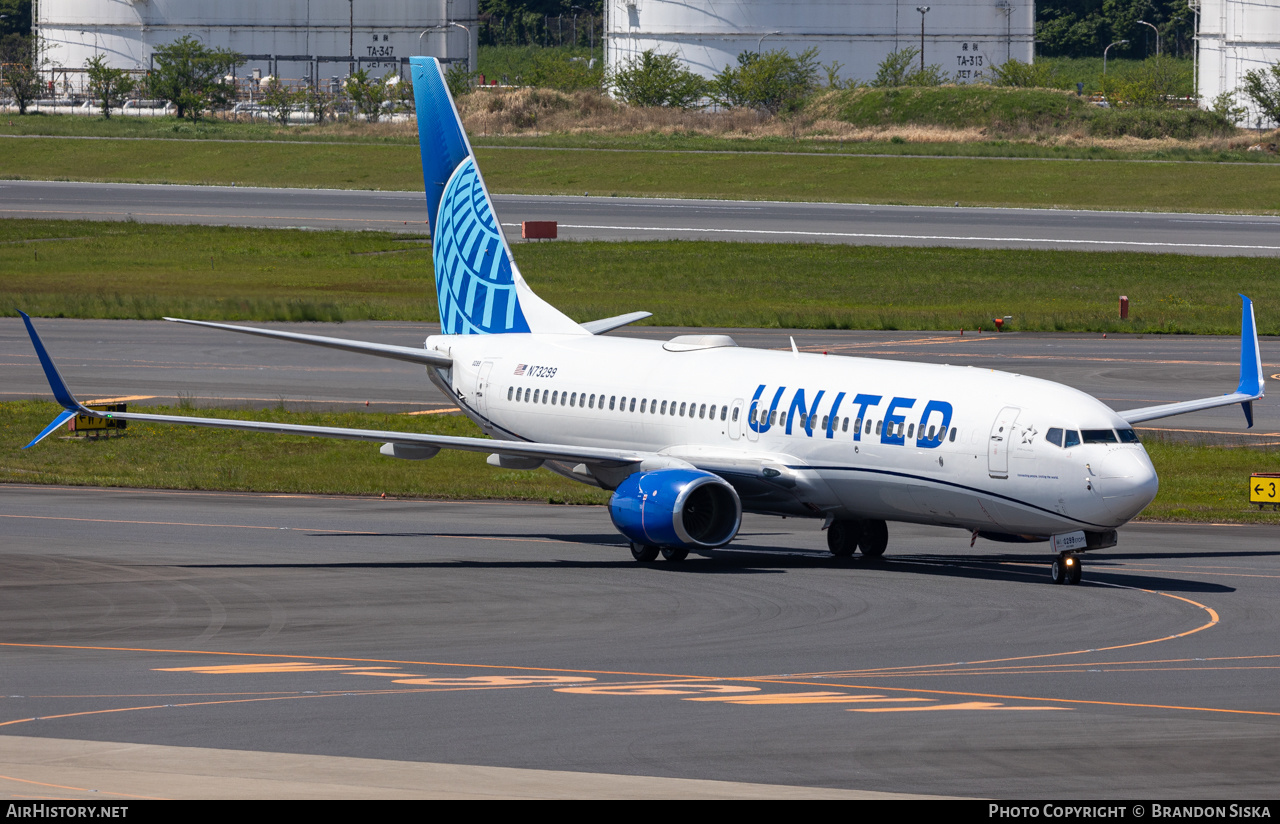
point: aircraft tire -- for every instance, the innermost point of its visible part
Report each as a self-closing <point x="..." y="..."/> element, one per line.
<point x="644" y="553"/>
<point x="674" y="553"/>
<point x="1065" y="573"/>
<point x="875" y="538"/>
<point x="843" y="537"/>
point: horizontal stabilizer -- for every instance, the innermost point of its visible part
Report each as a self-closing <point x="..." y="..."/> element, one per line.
<point x="599" y="327"/>
<point x="380" y="350"/>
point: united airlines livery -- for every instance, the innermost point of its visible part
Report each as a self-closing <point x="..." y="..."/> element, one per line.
<point x="690" y="433"/>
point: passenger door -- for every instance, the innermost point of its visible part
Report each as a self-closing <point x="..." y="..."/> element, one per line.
<point x="999" y="444"/>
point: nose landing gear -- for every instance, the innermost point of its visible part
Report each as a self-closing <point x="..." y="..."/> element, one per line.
<point x="1066" y="569"/>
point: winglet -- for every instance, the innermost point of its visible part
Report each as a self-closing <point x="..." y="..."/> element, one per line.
<point x="1251" y="380"/>
<point x="61" y="393"/>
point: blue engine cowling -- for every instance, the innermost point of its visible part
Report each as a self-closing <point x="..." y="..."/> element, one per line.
<point x="676" y="508"/>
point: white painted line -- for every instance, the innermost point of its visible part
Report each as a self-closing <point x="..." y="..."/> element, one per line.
<point x="873" y="236"/>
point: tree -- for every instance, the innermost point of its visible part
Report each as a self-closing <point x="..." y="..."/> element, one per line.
<point x="367" y="93"/>
<point x="774" y="81"/>
<point x="460" y="79"/>
<point x="15" y="17"/>
<point x="19" y="74"/>
<point x="278" y="99"/>
<point x="192" y="76"/>
<point x="318" y="101"/>
<point x="107" y="85"/>
<point x="654" y="79"/>
<point x="1262" y="86"/>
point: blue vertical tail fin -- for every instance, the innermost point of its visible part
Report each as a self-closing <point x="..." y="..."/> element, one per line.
<point x="478" y="285"/>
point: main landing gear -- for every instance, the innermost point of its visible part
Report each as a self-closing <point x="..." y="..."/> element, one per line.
<point x="645" y="553"/>
<point x="1066" y="569"/>
<point x="871" y="537"/>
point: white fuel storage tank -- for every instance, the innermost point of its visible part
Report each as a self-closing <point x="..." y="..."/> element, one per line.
<point x="1235" y="37"/>
<point x="964" y="37"/>
<point x="286" y="38"/>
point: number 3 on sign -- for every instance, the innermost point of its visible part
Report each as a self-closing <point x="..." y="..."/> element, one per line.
<point x="1264" y="488"/>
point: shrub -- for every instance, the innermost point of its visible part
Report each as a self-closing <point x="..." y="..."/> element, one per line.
<point x="1014" y="72"/>
<point x="654" y="79"/>
<point x="1152" y="84"/>
<point x="557" y="70"/>
<point x="773" y="81"/>
<point x="899" y="68"/>
<point x="1182" y="124"/>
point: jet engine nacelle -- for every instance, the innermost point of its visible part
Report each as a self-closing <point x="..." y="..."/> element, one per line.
<point x="685" y="508"/>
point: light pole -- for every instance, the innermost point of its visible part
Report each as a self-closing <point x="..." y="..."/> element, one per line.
<point x="1157" y="31"/>
<point x="1107" y="49"/>
<point x="760" y="42"/>
<point x="923" y="11"/>
<point x="351" y="35"/>
<point x="591" y="31"/>
<point x="441" y="28"/>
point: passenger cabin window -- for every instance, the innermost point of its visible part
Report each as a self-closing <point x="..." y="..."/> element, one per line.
<point x="953" y="434"/>
<point x="632" y="408"/>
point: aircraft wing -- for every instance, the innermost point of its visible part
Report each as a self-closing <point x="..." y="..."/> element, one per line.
<point x="544" y="451"/>
<point x="381" y="350"/>
<point x="1250" y="389"/>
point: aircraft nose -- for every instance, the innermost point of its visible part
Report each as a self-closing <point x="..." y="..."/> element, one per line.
<point x="1128" y="482"/>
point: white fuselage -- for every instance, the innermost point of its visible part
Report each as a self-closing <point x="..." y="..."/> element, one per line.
<point x="816" y="435"/>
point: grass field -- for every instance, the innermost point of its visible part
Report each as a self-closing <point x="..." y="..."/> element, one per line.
<point x="1197" y="483"/>
<point x="167" y="129"/>
<point x="133" y="270"/>
<point x="1209" y="187"/>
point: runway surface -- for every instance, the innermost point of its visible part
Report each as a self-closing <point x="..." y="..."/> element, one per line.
<point x="283" y="640"/>
<point x="614" y="218"/>
<point x="160" y="362"/>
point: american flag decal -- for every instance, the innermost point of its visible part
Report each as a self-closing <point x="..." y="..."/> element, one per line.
<point x="520" y="369"/>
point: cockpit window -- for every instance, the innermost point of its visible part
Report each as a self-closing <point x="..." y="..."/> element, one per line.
<point x="1098" y="435"/>
<point x="1054" y="436"/>
<point x="1128" y="436"/>
<point x="1070" y="438"/>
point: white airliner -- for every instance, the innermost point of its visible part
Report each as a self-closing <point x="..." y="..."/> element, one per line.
<point x="692" y="432"/>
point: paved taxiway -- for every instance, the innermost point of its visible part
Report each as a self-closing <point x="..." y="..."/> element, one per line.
<point x="159" y="362"/>
<point x="619" y="218"/>
<point x="523" y="637"/>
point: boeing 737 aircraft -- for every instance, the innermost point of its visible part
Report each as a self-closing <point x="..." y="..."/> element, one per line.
<point x="692" y="432"/>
